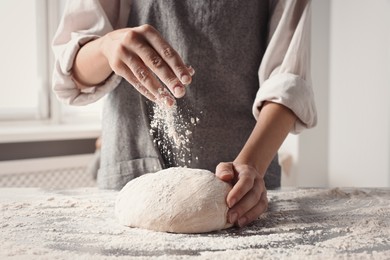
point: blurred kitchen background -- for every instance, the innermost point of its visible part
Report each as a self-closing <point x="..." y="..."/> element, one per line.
<point x="46" y="144"/>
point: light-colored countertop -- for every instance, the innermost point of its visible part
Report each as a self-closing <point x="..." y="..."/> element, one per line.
<point x="303" y="223"/>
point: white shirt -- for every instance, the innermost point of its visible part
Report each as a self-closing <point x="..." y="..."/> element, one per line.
<point x="284" y="73"/>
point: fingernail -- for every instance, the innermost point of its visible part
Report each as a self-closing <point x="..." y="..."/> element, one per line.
<point x="232" y="202"/>
<point x="165" y="97"/>
<point x="166" y="101"/>
<point x="191" y="70"/>
<point x="179" y="91"/>
<point x="233" y="218"/>
<point x="185" y="79"/>
<point x="169" y="101"/>
<point x="242" y="221"/>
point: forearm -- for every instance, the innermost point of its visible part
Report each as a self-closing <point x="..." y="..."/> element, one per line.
<point x="273" y="125"/>
<point x="91" y="66"/>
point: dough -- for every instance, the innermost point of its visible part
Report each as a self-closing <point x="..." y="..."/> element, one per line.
<point x="179" y="200"/>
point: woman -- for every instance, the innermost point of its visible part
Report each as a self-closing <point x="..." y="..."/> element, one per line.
<point x="246" y="55"/>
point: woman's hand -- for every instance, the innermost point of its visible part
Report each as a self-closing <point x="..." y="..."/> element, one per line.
<point x="141" y="56"/>
<point x="248" y="198"/>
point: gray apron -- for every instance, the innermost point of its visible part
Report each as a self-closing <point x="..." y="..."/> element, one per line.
<point x="224" y="41"/>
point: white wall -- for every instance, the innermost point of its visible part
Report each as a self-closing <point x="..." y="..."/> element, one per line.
<point x="350" y="147"/>
<point x="310" y="149"/>
<point x="359" y="86"/>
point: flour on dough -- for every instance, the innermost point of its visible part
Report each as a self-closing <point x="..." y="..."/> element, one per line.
<point x="179" y="200"/>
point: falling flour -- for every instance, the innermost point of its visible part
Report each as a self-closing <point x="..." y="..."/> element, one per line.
<point x="172" y="130"/>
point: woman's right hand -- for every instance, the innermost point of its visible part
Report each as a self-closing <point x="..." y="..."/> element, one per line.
<point x="141" y="55"/>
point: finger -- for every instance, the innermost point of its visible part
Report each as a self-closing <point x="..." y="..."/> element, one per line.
<point x="161" y="69"/>
<point x="255" y="212"/>
<point x="169" y="55"/>
<point x="148" y="80"/>
<point x="124" y="71"/>
<point x="243" y="186"/>
<point x="225" y="171"/>
<point x="141" y="89"/>
<point x="245" y="204"/>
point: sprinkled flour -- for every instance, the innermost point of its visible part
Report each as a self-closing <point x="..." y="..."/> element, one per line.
<point x="172" y="129"/>
<point x="300" y="224"/>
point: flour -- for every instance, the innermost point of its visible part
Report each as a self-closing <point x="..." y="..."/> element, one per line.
<point x="172" y="129"/>
<point x="300" y="224"/>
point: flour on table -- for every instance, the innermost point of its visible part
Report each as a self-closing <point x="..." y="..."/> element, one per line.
<point x="300" y="224"/>
<point x="179" y="200"/>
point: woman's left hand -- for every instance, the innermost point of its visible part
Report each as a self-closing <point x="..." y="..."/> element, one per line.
<point x="248" y="198"/>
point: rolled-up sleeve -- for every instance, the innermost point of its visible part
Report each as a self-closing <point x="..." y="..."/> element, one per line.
<point x="284" y="72"/>
<point x="81" y="22"/>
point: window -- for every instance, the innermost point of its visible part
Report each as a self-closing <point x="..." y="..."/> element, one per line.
<point x="28" y="27"/>
<point x="21" y="83"/>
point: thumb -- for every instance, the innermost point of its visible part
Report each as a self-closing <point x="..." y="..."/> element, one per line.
<point x="224" y="171"/>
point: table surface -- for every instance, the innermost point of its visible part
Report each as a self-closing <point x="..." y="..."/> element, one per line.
<point x="301" y="223"/>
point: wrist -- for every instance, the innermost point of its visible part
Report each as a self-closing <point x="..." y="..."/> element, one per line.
<point x="101" y="46"/>
<point x="91" y="67"/>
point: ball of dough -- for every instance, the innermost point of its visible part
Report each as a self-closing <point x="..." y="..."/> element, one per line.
<point x="179" y="200"/>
